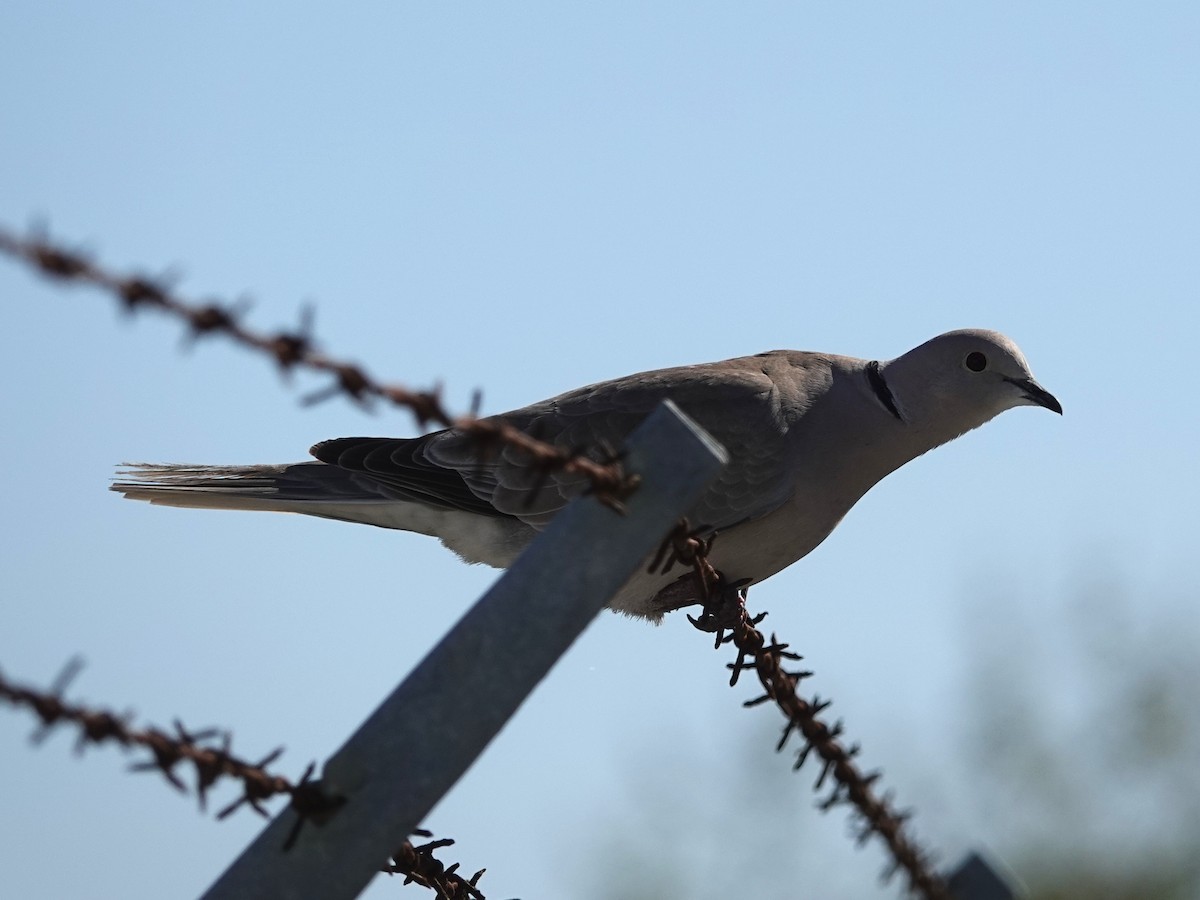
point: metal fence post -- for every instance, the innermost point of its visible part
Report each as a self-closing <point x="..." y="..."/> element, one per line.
<point x="977" y="879"/>
<point x="424" y="736"/>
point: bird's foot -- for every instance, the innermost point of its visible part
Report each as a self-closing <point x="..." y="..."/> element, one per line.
<point x="725" y="606"/>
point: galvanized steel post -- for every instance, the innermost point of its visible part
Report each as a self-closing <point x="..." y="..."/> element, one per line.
<point x="423" y="737"/>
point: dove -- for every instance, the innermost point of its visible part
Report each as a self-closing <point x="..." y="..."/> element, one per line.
<point x="807" y="435"/>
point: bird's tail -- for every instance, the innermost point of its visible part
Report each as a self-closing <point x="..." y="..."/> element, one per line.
<point x="313" y="488"/>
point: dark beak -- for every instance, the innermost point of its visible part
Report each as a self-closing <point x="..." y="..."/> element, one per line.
<point x="1035" y="393"/>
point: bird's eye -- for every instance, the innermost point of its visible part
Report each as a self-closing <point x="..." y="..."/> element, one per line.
<point x="975" y="361"/>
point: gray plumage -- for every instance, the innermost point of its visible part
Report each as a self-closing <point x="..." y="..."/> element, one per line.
<point x="807" y="435"/>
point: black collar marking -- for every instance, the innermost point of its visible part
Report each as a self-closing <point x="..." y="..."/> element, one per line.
<point x="879" y="386"/>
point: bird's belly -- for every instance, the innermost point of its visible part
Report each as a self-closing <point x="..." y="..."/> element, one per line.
<point x="751" y="552"/>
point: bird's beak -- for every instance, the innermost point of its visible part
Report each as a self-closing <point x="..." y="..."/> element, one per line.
<point x="1036" y="394"/>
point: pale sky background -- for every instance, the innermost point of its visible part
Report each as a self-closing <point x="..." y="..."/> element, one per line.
<point x="526" y="198"/>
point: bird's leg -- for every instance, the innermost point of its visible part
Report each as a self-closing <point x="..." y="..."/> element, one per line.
<point x="681" y="593"/>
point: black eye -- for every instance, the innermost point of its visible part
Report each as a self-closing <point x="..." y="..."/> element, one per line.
<point x="975" y="361"/>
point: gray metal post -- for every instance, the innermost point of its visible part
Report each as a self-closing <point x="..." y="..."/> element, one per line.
<point x="424" y="736"/>
<point x="977" y="879"/>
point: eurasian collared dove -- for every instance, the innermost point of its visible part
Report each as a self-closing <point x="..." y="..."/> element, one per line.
<point x="807" y="435"/>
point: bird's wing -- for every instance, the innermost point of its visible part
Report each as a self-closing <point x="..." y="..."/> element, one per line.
<point x="397" y="469"/>
<point x="747" y="404"/>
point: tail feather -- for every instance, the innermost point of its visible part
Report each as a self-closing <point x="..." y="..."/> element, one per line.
<point x="319" y="489"/>
<point x="299" y="487"/>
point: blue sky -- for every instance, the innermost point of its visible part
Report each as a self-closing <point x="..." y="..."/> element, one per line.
<point x="528" y="198"/>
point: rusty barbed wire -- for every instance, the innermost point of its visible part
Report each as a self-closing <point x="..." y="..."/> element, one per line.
<point x="210" y="753"/>
<point x="417" y="864"/>
<point x="296" y="348"/>
<point x="724" y="612"/>
<point x="726" y="617"/>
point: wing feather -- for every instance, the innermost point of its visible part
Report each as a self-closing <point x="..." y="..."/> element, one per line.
<point x="746" y="404"/>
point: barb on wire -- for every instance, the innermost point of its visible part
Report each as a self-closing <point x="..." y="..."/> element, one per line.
<point x="210" y="755"/>
<point x="417" y="864"/>
<point x="296" y="348"/>
<point x="725" y="616"/>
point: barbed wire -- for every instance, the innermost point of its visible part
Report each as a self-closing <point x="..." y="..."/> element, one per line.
<point x="417" y="864"/>
<point x="296" y="348"/>
<point x="210" y="754"/>
<point x="726" y="617"/>
<point x="724" y="613"/>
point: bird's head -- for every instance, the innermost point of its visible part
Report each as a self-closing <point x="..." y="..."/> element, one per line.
<point x="961" y="379"/>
